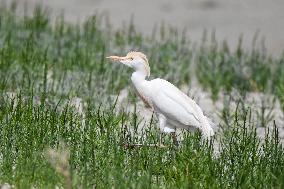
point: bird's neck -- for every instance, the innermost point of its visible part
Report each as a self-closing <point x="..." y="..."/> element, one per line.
<point x="142" y="86"/>
<point x="138" y="77"/>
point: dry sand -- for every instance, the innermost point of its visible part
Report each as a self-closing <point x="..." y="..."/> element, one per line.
<point x="229" y="18"/>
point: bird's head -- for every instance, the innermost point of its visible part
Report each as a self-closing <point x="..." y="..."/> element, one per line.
<point x="136" y="60"/>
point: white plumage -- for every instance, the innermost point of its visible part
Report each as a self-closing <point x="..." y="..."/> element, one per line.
<point x="174" y="108"/>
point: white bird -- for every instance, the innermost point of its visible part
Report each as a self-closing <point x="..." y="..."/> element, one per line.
<point x="173" y="108"/>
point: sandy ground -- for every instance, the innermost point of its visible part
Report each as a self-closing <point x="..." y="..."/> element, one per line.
<point x="230" y="18"/>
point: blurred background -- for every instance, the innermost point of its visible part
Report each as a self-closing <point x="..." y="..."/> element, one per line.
<point x="229" y="18"/>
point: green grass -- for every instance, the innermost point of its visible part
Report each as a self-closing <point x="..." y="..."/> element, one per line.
<point x="98" y="158"/>
<point x="220" y="69"/>
<point x="45" y="65"/>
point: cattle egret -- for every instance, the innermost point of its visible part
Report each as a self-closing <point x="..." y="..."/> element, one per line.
<point x="174" y="109"/>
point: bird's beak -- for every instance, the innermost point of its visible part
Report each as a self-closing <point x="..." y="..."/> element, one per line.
<point x="116" y="58"/>
<point x="121" y="59"/>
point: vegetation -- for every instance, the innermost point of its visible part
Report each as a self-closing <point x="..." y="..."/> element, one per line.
<point x="47" y="141"/>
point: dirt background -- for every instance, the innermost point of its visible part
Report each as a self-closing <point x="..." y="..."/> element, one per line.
<point x="230" y="18"/>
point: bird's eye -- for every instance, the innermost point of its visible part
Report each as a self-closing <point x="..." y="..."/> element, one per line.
<point x="131" y="58"/>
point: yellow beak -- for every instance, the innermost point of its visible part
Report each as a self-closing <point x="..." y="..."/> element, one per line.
<point x="116" y="58"/>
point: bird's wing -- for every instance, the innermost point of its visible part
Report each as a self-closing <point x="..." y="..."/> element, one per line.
<point x="174" y="104"/>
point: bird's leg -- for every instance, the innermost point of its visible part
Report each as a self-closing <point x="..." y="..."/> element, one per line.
<point x="161" y="142"/>
<point x="162" y="124"/>
<point x="161" y="138"/>
<point x="174" y="137"/>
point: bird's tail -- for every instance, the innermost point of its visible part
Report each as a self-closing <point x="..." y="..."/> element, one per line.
<point x="207" y="127"/>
